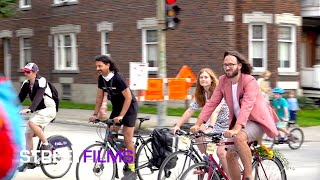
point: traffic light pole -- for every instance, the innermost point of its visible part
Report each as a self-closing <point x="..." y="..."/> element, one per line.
<point x="162" y="64"/>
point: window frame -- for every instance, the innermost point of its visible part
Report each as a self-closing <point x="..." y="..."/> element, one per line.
<point x="265" y="44"/>
<point x="104" y="43"/>
<point x="292" y="61"/>
<point x="22" y="4"/>
<point x="144" y="48"/>
<point x="58" y="2"/>
<point x="74" y="53"/>
<point x="22" y="49"/>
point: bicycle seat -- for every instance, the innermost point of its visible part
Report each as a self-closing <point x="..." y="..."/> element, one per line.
<point x="291" y="122"/>
<point x="144" y="118"/>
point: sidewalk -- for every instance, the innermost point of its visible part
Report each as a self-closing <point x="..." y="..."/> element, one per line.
<point x="79" y="116"/>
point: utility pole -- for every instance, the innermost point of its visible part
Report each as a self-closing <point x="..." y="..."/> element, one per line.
<point x="162" y="64"/>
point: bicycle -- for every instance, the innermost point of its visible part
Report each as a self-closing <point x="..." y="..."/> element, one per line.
<point x="263" y="167"/>
<point x="61" y="157"/>
<point x="189" y="156"/>
<point x="294" y="140"/>
<point x="110" y="146"/>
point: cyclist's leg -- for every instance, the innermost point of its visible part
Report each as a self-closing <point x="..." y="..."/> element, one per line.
<point x="128" y="131"/>
<point x="249" y="133"/>
<point x="29" y="142"/>
<point x="222" y="155"/>
<point x="233" y="165"/>
<point x="41" y="119"/>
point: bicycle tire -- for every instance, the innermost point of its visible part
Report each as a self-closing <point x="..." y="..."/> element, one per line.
<point x="144" y="148"/>
<point x="273" y="168"/>
<point x="292" y="144"/>
<point x="166" y="173"/>
<point x="97" y="166"/>
<point x="46" y="167"/>
<point x="202" y="170"/>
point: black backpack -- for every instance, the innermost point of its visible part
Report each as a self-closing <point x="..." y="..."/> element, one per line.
<point x="55" y="95"/>
<point x="163" y="144"/>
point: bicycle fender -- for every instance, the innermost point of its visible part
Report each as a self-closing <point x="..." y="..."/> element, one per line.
<point x="58" y="141"/>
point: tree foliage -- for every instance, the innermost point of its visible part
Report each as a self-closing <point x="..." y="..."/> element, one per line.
<point x="7" y="8"/>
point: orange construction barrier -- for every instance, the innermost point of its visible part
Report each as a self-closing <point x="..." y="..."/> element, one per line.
<point x="178" y="89"/>
<point x="186" y="72"/>
<point x="155" y="89"/>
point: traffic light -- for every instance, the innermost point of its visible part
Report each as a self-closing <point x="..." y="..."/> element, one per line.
<point x="172" y="12"/>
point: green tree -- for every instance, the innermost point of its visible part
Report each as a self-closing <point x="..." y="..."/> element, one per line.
<point x="7" y="8"/>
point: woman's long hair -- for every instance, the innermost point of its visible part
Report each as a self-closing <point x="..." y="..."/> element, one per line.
<point x="200" y="91"/>
<point x="107" y="60"/>
<point x="246" y="67"/>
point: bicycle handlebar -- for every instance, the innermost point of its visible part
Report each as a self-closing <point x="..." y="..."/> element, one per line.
<point x="108" y="121"/>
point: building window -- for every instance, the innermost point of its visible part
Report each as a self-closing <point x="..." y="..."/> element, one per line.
<point x="150" y="48"/>
<point x="25" y="3"/>
<point x="66" y="57"/>
<point x="105" y="43"/>
<point x="25" y="51"/>
<point x="258" y="46"/>
<point x="286" y="48"/>
<point x="66" y="91"/>
<point x="57" y="2"/>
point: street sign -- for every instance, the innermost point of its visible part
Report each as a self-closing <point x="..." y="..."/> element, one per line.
<point x="138" y="75"/>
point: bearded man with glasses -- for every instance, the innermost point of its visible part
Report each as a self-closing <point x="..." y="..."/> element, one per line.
<point x="250" y="114"/>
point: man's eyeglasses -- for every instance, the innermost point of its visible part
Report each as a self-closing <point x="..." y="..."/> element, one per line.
<point x="229" y="65"/>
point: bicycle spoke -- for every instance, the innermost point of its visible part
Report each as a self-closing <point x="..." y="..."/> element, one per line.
<point x="268" y="169"/>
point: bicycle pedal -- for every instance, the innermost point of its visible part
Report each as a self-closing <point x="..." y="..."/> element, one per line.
<point x="31" y="165"/>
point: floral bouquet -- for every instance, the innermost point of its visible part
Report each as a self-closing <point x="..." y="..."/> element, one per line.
<point x="264" y="151"/>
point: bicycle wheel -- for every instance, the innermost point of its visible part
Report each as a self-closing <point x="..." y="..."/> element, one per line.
<point x="199" y="171"/>
<point x="296" y="138"/>
<point x="268" y="169"/>
<point x="60" y="162"/>
<point x="96" y="168"/>
<point x="178" y="161"/>
<point x="143" y="162"/>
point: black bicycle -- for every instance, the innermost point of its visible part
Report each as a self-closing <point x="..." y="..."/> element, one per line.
<point x="177" y="162"/>
<point x="55" y="164"/>
<point x="97" y="160"/>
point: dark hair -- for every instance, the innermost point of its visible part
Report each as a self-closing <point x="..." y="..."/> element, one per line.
<point x="246" y="67"/>
<point x="107" y="60"/>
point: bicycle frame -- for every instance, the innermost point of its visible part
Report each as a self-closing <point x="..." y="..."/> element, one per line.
<point x="212" y="160"/>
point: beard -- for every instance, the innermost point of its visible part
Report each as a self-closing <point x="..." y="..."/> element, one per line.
<point x="235" y="73"/>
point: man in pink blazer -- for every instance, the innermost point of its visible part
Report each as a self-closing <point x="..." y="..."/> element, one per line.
<point x="250" y="114"/>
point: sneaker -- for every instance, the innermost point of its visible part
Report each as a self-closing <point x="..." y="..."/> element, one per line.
<point x="125" y="168"/>
<point x="46" y="147"/>
<point x="25" y="166"/>
<point x="129" y="176"/>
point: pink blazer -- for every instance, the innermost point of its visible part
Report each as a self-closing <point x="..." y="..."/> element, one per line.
<point x="253" y="105"/>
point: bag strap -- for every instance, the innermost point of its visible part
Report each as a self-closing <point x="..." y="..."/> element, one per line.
<point x="105" y="84"/>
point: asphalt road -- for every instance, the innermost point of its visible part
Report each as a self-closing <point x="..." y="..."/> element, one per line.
<point x="305" y="161"/>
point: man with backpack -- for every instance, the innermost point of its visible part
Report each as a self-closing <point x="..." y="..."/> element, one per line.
<point x="43" y="106"/>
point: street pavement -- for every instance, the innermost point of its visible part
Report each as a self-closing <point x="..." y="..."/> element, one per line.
<point x="79" y="116"/>
<point x="73" y="123"/>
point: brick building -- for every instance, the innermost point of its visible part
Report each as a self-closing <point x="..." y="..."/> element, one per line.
<point x="64" y="36"/>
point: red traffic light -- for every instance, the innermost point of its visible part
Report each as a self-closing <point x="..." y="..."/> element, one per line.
<point x="171" y="2"/>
